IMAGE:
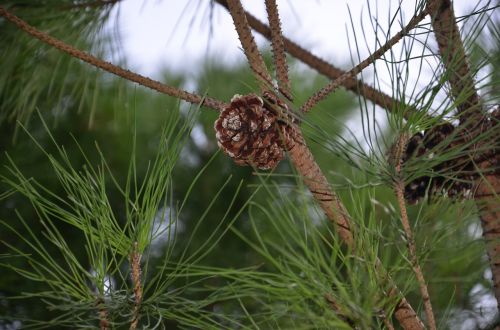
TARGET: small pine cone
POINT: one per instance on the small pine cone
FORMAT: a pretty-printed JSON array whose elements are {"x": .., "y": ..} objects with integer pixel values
[{"x": 249, "y": 131}]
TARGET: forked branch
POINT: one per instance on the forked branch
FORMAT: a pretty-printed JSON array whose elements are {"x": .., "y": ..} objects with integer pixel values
[
  {"x": 325, "y": 68},
  {"x": 111, "y": 68}
]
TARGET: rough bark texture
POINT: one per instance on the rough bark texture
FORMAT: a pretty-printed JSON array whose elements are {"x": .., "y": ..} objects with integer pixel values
[
  {"x": 317, "y": 183},
  {"x": 454, "y": 59},
  {"x": 489, "y": 204},
  {"x": 249, "y": 46},
  {"x": 469, "y": 109},
  {"x": 278, "y": 49},
  {"x": 334, "y": 209}
]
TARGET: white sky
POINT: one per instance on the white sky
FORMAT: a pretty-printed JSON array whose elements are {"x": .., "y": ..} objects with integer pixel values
[
  {"x": 175, "y": 34},
  {"x": 157, "y": 34}
]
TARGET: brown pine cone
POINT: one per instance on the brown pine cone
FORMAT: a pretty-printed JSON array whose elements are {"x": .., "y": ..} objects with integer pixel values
[
  {"x": 250, "y": 132},
  {"x": 455, "y": 177}
]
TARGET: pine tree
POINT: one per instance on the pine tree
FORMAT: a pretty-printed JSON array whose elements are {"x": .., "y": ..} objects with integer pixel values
[{"x": 131, "y": 223}]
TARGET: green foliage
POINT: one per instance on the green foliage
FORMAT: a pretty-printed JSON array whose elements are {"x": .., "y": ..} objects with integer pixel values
[{"x": 105, "y": 165}]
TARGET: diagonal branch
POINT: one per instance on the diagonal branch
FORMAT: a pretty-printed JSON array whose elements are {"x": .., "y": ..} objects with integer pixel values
[
  {"x": 109, "y": 67},
  {"x": 249, "y": 46},
  {"x": 453, "y": 55},
  {"x": 330, "y": 87},
  {"x": 325, "y": 68},
  {"x": 315, "y": 180},
  {"x": 278, "y": 49}
]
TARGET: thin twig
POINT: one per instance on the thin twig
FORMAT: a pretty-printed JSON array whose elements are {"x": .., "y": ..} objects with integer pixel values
[
  {"x": 327, "y": 69},
  {"x": 399, "y": 187},
  {"x": 136, "y": 274},
  {"x": 330, "y": 87},
  {"x": 278, "y": 49},
  {"x": 249, "y": 46},
  {"x": 114, "y": 69}
]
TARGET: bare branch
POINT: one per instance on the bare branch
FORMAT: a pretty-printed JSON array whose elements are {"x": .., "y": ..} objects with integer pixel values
[
  {"x": 455, "y": 61},
  {"x": 278, "y": 49},
  {"x": 330, "y": 87},
  {"x": 109, "y": 67},
  {"x": 249, "y": 46}
]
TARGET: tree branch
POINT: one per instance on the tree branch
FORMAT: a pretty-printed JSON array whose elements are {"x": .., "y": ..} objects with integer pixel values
[
  {"x": 330, "y": 87},
  {"x": 111, "y": 68},
  {"x": 135, "y": 274},
  {"x": 103, "y": 314},
  {"x": 249, "y": 46},
  {"x": 399, "y": 187},
  {"x": 455, "y": 61},
  {"x": 326, "y": 69},
  {"x": 315, "y": 180},
  {"x": 278, "y": 49},
  {"x": 469, "y": 108}
]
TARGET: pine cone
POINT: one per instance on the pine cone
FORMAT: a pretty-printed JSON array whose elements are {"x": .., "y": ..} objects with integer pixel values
[
  {"x": 250, "y": 131},
  {"x": 455, "y": 177}
]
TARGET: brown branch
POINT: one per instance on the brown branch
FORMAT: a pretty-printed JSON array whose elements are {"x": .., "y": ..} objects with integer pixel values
[
  {"x": 489, "y": 206},
  {"x": 109, "y": 67},
  {"x": 469, "y": 108},
  {"x": 278, "y": 49},
  {"x": 249, "y": 46},
  {"x": 103, "y": 314},
  {"x": 304, "y": 162},
  {"x": 330, "y": 87},
  {"x": 399, "y": 187},
  {"x": 455, "y": 61},
  {"x": 387, "y": 322},
  {"x": 338, "y": 310},
  {"x": 315, "y": 180},
  {"x": 326, "y": 69},
  {"x": 135, "y": 274}
]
